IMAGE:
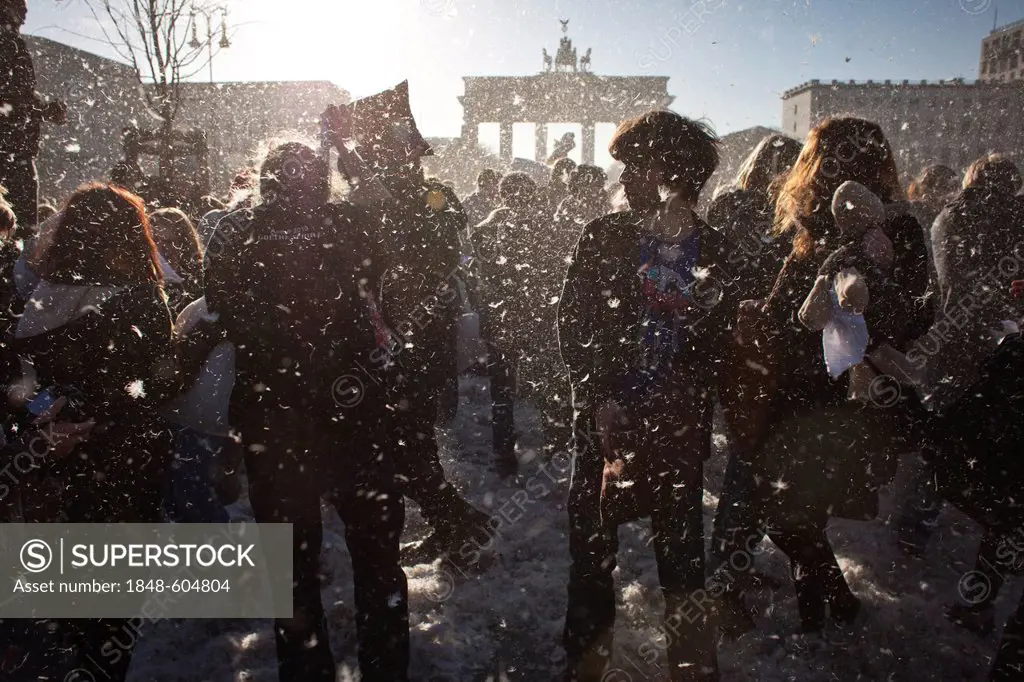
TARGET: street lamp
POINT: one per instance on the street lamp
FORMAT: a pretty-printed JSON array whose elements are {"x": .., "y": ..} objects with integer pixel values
[{"x": 197, "y": 44}]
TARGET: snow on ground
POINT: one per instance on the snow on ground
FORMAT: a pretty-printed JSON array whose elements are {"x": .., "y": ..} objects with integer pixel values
[{"x": 502, "y": 621}]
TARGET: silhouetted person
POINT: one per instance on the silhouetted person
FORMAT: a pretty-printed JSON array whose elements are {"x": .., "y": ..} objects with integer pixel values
[
  {"x": 293, "y": 293},
  {"x": 19, "y": 126},
  {"x": 644, "y": 313},
  {"x": 485, "y": 199}
]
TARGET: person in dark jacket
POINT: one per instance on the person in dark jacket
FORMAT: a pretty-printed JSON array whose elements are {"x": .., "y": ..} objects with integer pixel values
[
  {"x": 807, "y": 413},
  {"x": 745, "y": 216},
  {"x": 520, "y": 273},
  {"x": 419, "y": 229},
  {"x": 557, "y": 189},
  {"x": 646, "y": 307},
  {"x": 25, "y": 111},
  {"x": 96, "y": 332},
  {"x": 977, "y": 243},
  {"x": 485, "y": 199},
  {"x": 294, "y": 294}
]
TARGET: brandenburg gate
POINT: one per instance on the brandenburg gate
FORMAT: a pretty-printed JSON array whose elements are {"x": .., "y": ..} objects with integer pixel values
[{"x": 566, "y": 91}]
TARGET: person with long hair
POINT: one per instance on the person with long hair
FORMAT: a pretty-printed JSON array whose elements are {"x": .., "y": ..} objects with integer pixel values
[
  {"x": 745, "y": 213},
  {"x": 818, "y": 453},
  {"x": 745, "y": 216},
  {"x": 181, "y": 255},
  {"x": 96, "y": 332}
]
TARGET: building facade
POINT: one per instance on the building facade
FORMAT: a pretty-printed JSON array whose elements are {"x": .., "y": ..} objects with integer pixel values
[
  {"x": 950, "y": 122},
  {"x": 566, "y": 91},
  {"x": 1002, "y": 59},
  {"x": 103, "y": 96}
]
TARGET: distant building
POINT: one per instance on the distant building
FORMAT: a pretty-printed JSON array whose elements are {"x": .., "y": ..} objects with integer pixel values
[
  {"x": 103, "y": 98},
  {"x": 951, "y": 122},
  {"x": 1001, "y": 57}
]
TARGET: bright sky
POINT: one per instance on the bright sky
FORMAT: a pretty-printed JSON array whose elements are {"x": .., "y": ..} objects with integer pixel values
[{"x": 729, "y": 60}]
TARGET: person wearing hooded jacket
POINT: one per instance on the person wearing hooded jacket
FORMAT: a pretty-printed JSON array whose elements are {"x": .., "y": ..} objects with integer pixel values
[
  {"x": 96, "y": 333},
  {"x": 294, "y": 294}
]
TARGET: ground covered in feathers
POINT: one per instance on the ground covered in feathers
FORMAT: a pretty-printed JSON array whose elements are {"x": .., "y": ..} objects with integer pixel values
[{"x": 503, "y": 619}]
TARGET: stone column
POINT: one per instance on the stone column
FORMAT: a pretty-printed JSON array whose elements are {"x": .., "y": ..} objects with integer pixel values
[
  {"x": 505, "y": 141},
  {"x": 541, "y": 135},
  {"x": 587, "y": 147},
  {"x": 471, "y": 133}
]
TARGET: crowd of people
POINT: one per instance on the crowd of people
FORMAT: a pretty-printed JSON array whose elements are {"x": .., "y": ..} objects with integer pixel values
[{"x": 834, "y": 321}]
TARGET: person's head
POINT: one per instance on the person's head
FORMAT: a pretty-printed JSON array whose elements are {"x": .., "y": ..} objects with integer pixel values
[
  {"x": 293, "y": 176},
  {"x": 12, "y": 13},
  {"x": 838, "y": 149},
  {"x": 44, "y": 212},
  {"x": 488, "y": 181},
  {"x": 103, "y": 237},
  {"x": 934, "y": 182},
  {"x": 587, "y": 182},
  {"x": 773, "y": 156},
  {"x": 176, "y": 239},
  {"x": 561, "y": 172},
  {"x": 663, "y": 151},
  {"x": 518, "y": 191},
  {"x": 995, "y": 174},
  {"x": 243, "y": 189}
]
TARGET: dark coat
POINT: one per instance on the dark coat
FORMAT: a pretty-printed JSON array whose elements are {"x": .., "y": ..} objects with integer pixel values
[
  {"x": 600, "y": 312},
  {"x": 422, "y": 242},
  {"x": 823, "y": 454},
  {"x": 520, "y": 260},
  {"x": 746, "y": 219},
  {"x": 287, "y": 288},
  {"x": 897, "y": 318},
  {"x": 977, "y": 242},
  {"x": 117, "y": 361}
]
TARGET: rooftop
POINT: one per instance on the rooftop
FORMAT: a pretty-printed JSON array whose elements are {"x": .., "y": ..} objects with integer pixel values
[
  {"x": 1016, "y": 24},
  {"x": 954, "y": 82}
]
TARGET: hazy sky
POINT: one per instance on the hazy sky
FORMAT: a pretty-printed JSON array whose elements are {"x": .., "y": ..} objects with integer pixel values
[{"x": 728, "y": 60}]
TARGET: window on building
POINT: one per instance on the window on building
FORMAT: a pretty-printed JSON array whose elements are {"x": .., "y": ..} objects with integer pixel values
[{"x": 796, "y": 108}]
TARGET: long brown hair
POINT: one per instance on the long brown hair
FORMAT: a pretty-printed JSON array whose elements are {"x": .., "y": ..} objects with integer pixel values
[
  {"x": 838, "y": 149},
  {"x": 99, "y": 226}
]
